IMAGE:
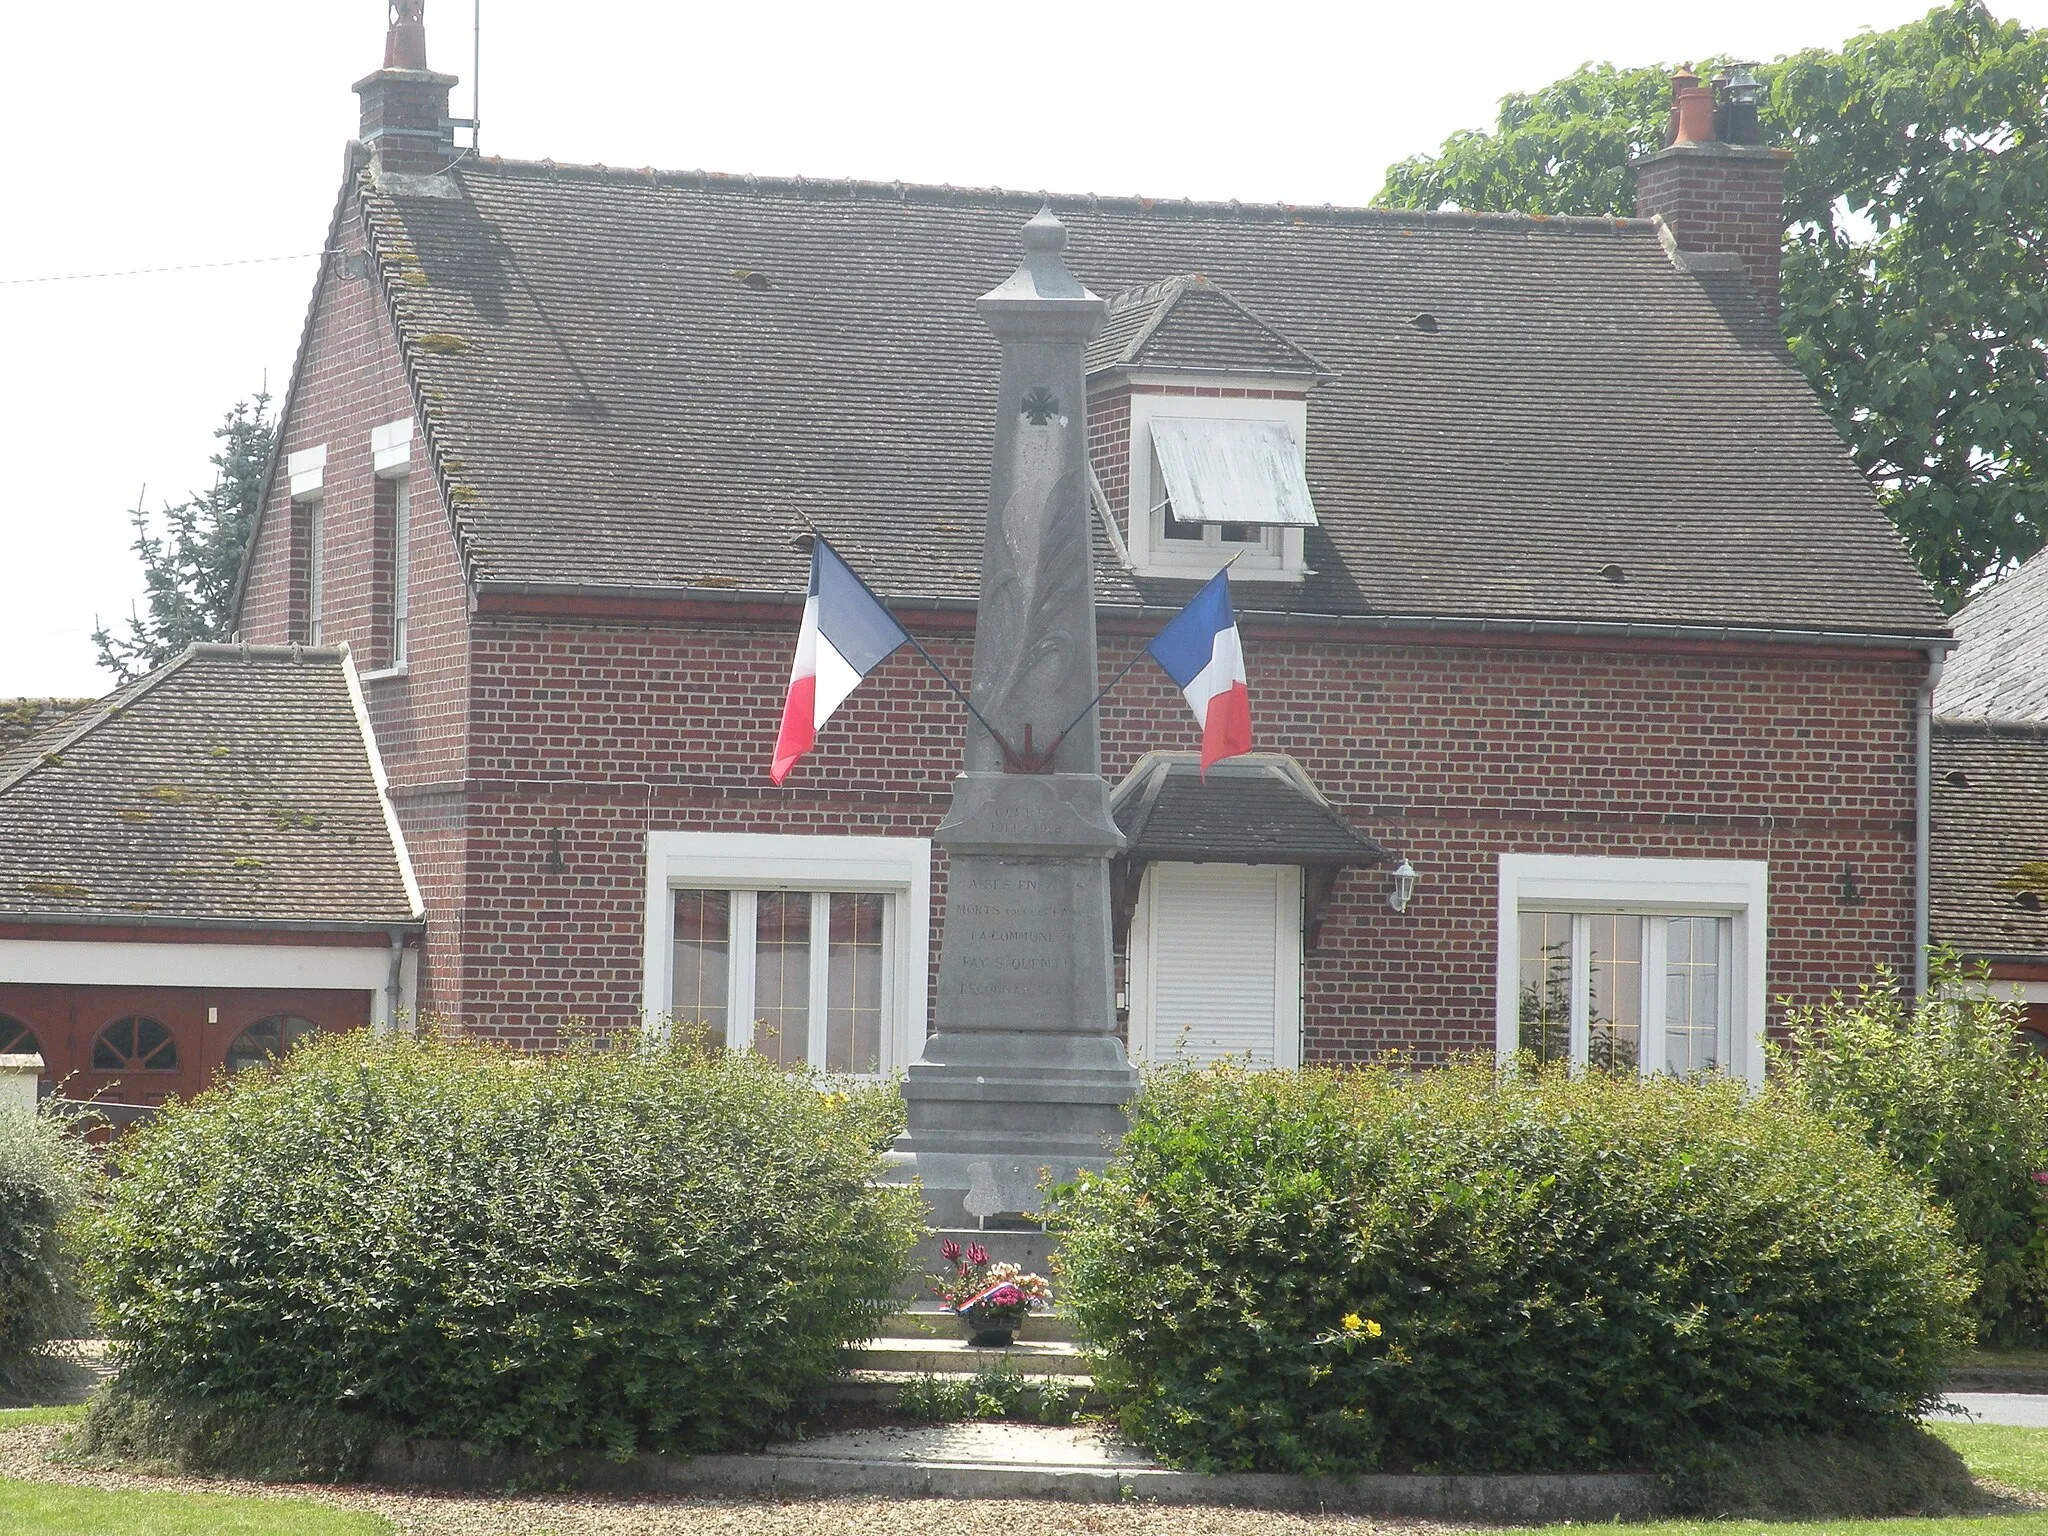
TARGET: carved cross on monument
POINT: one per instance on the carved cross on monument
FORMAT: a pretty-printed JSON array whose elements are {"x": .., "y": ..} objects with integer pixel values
[{"x": 1024, "y": 1074}]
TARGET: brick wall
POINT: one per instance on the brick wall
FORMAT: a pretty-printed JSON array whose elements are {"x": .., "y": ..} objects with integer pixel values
[
  {"x": 1721, "y": 197},
  {"x": 350, "y": 379},
  {"x": 529, "y": 759},
  {"x": 584, "y": 739},
  {"x": 1109, "y": 447}
]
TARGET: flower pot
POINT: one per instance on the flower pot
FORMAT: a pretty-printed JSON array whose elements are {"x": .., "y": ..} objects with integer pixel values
[{"x": 991, "y": 1327}]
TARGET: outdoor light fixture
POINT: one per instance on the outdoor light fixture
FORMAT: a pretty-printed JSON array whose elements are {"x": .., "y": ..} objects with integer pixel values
[{"x": 1404, "y": 887}]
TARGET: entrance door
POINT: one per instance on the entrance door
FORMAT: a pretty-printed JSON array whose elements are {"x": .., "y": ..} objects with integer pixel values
[{"x": 1215, "y": 964}]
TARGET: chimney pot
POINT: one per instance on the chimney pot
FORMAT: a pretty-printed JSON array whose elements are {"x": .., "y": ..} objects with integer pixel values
[
  {"x": 1695, "y": 108},
  {"x": 405, "y": 37}
]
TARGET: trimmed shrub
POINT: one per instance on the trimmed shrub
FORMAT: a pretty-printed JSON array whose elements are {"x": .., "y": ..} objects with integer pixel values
[
  {"x": 615, "y": 1251},
  {"x": 46, "y": 1173},
  {"x": 1943, "y": 1091},
  {"x": 1346, "y": 1271}
]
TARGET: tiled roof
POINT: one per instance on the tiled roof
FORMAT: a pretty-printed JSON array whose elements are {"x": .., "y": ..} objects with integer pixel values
[
  {"x": 233, "y": 784},
  {"x": 1189, "y": 325},
  {"x": 26, "y": 723},
  {"x": 1999, "y": 669},
  {"x": 1990, "y": 816},
  {"x": 1261, "y": 808},
  {"x": 650, "y": 380}
]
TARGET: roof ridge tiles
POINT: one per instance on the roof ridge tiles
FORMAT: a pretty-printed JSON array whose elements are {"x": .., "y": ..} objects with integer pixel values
[{"x": 821, "y": 189}]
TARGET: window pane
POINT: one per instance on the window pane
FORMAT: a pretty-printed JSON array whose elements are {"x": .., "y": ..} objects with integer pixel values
[
  {"x": 1546, "y": 984},
  {"x": 1614, "y": 1003},
  {"x": 1692, "y": 994},
  {"x": 702, "y": 961},
  {"x": 782, "y": 976},
  {"x": 853, "y": 1006}
]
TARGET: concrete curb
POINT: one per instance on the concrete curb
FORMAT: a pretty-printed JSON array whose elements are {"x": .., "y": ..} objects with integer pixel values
[{"x": 1577, "y": 1497}]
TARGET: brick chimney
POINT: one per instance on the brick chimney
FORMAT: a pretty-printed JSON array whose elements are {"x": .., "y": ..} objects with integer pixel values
[
  {"x": 405, "y": 104},
  {"x": 1717, "y": 188}
]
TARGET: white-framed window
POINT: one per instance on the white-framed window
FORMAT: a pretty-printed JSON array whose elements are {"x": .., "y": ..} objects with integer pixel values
[
  {"x": 391, "y": 464},
  {"x": 401, "y": 569},
  {"x": 316, "y": 569},
  {"x": 306, "y": 471},
  {"x": 1229, "y": 455},
  {"x": 809, "y": 949},
  {"x": 1215, "y": 964},
  {"x": 1634, "y": 965}
]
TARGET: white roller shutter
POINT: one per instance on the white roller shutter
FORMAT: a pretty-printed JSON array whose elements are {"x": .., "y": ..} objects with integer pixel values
[{"x": 1216, "y": 963}]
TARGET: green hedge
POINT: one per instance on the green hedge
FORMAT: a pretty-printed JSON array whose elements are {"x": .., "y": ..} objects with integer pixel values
[
  {"x": 618, "y": 1251},
  {"x": 1942, "y": 1090},
  {"x": 46, "y": 1171},
  {"x": 1461, "y": 1270}
]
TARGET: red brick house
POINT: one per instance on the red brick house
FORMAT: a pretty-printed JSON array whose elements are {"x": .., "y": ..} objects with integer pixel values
[
  {"x": 1990, "y": 789},
  {"x": 1591, "y": 622}
]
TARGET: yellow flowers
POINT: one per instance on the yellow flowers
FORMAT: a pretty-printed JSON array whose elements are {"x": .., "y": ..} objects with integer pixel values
[{"x": 1353, "y": 1323}]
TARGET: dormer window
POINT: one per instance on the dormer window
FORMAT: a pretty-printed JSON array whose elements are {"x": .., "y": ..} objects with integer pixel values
[{"x": 1199, "y": 425}]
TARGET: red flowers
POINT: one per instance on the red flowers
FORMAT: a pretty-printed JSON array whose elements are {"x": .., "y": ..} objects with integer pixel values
[
  {"x": 950, "y": 1251},
  {"x": 976, "y": 1254}
]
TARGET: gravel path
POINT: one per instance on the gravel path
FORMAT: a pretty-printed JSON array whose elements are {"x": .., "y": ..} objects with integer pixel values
[{"x": 25, "y": 1453}]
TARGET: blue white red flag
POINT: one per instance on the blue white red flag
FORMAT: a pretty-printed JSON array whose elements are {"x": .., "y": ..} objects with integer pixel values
[
  {"x": 846, "y": 634},
  {"x": 1201, "y": 652}
]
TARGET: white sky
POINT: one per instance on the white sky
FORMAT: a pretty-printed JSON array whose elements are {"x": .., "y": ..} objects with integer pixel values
[{"x": 141, "y": 134}]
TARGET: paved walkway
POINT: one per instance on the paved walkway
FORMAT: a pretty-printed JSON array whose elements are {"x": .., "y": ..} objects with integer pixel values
[{"x": 2025, "y": 1408}]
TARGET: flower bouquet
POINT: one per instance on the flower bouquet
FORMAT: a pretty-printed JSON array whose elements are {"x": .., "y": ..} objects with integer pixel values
[{"x": 991, "y": 1300}]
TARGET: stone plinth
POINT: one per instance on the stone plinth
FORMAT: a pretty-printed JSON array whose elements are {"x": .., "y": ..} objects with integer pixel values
[{"x": 18, "y": 1078}]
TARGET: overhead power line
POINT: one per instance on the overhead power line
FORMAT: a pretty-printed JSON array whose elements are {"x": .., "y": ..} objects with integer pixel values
[{"x": 190, "y": 266}]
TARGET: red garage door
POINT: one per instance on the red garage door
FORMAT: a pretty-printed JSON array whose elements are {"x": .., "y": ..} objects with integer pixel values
[{"x": 139, "y": 1045}]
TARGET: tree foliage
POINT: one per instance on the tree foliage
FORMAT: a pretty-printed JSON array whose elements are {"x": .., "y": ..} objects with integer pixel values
[
  {"x": 1916, "y": 259},
  {"x": 1941, "y": 1091},
  {"x": 190, "y": 567}
]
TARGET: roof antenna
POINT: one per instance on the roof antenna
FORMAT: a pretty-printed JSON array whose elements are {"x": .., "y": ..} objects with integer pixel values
[{"x": 476, "y": 69}]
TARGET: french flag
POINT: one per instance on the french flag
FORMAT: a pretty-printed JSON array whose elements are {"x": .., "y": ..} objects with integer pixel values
[
  {"x": 1201, "y": 652},
  {"x": 846, "y": 634}
]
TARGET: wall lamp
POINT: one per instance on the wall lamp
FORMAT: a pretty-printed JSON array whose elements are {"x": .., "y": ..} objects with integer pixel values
[{"x": 1404, "y": 887}]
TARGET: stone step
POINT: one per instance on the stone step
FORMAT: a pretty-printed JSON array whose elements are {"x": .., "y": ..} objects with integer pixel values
[
  {"x": 934, "y": 1322},
  {"x": 956, "y": 1357},
  {"x": 885, "y": 1388}
]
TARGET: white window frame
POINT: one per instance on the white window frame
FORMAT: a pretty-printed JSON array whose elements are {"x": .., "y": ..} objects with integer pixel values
[
  {"x": 1275, "y": 558},
  {"x": 307, "y": 470},
  {"x": 1288, "y": 970},
  {"x": 746, "y": 863},
  {"x": 1736, "y": 889},
  {"x": 316, "y": 566},
  {"x": 391, "y": 459}
]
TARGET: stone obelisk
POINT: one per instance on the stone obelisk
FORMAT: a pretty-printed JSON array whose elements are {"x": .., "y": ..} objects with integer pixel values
[{"x": 1024, "y": 1074}]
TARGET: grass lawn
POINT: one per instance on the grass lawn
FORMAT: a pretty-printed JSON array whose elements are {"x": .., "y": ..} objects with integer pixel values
[
  {"x": 2005, "y": 1453},
  {"x": 50, "y": 1509}
]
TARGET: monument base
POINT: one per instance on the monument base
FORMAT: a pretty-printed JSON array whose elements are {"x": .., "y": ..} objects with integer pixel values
[{"x": 994, "y": 1117}]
